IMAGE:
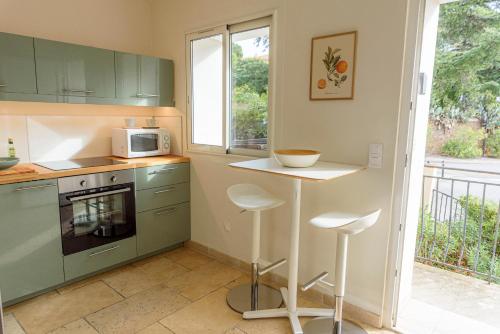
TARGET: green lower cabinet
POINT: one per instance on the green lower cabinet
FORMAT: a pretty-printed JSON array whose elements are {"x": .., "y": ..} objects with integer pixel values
[
  {"x": 31, "y": 257},
  {"x": 155, "y": 198},
  {"x": 98, "y": 258},
  {"x": 161, "y": 175},
  {"x": 161, "y": 228}
]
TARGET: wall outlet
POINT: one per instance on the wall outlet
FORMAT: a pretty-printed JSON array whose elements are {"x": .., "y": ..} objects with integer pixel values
[{"x": 375, "y": 155}]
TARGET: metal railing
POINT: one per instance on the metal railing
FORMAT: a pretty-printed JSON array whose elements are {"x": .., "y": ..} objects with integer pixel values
[{"x": 459, "y": 221}]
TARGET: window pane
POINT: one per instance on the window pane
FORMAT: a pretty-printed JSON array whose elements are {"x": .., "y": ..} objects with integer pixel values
[
  {"x": 249, "y": 88},
  {"x": 207, "y": 98}
]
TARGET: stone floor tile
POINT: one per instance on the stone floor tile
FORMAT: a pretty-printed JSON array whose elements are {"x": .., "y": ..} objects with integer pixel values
[
  {"x": 208, "y": 315},
  {"x": 11, "y": 326},
  {"x": 203, "y": 280},
  {"x": 187, "y": 258},
  {"x": 79, "y": 326},
  {"x": 155, "y": 328},
  {"x": 144, "y": 275},
  {"x": 89, "y": 280},
  {"x": 45, "y": 314},
  {"x": 138, "y": 312}
]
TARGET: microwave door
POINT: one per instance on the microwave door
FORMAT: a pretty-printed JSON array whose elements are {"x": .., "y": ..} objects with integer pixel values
[{"x": 144, "y": 144}]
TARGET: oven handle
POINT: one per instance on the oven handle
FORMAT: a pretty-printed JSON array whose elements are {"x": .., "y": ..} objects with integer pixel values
[
  {"x": 94, "y": 195},
  {"x": 104, "y": 251}
]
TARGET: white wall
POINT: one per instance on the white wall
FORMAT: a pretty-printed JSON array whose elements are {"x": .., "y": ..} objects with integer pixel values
[
  {"x": 47, "y": 131},
  {"x": 342, "y": 131},
  {"x": 112, "y": 24}
]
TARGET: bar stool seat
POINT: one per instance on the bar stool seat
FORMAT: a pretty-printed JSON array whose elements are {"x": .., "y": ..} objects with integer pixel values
[
  {"x": 345, "y": 224},
  {"x": 252, "y": 198},
  {"x": 254, "y": 296}
]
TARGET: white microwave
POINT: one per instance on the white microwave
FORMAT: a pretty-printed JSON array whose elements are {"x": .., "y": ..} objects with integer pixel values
[{"x": 136, "y": 143}]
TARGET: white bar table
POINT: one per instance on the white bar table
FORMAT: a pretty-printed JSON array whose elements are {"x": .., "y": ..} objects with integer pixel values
[{"x": 321, "y": 171}]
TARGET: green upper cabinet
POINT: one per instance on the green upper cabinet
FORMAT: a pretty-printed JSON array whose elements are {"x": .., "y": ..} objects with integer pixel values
[
  {"x": 144, "y": 80},
  {"x": 17, "y": 64},
  {"x": 74, "y": 70},
  {"x": 33, "y": 69},
  {"x": 31, "y": 257},
  {"x": 167, "y": 83}
]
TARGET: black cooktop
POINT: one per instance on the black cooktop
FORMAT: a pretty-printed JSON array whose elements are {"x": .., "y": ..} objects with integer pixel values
[{"x": 78, "y": 163}]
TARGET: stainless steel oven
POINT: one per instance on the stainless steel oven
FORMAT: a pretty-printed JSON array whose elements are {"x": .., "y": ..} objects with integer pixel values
[{"x": 96, "y": 209}]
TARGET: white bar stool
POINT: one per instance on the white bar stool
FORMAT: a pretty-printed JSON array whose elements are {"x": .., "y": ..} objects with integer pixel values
[
  {"x": 254, "y": 296},
  {"x": 345, "y": 224}
]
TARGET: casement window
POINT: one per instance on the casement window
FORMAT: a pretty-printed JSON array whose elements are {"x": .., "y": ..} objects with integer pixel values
[{"x": 229, "y": 88}]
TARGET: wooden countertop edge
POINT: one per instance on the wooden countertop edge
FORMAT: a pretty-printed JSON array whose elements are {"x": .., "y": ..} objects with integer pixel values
[{"x": 47, "y": 174}]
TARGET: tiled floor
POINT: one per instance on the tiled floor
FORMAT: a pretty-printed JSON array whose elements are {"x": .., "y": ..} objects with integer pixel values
[
  {"x": 446, "y": 302},
  {"x": 179, "y": 292}
]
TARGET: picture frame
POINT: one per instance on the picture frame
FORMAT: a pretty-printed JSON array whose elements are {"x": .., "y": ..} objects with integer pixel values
[{"x": 333, "y": 66}]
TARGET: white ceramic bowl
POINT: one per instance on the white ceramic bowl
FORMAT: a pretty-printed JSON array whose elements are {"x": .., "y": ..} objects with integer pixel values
[{"x": 297, "y": 158}]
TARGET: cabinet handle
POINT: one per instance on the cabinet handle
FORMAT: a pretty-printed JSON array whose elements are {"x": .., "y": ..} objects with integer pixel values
[
  {"x": 165, "y": 212},
  {"x": 79, "y": 91},
  {"x": 3, "y": 85},
  {"x": 35, "y": 187},
  {"x": 104, "y": 251},
  {"x": 164, "y": 191},
  {"x": 162, "y": 171},
  {"x": 147, "y": 95}
]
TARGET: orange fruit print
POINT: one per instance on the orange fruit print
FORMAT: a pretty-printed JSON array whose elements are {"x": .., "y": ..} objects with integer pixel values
[
  {"x": 321, "y": 83},
  {"x": 341, "y": 66}
]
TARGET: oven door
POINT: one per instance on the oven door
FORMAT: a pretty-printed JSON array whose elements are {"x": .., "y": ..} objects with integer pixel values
[
  {"x": 144, "y": 144},
  {"x": 96, "y": 217}
]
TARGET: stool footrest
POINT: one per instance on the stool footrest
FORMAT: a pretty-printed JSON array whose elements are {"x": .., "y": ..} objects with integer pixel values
[
  {"x": 318, "y": 279},
  {"x": 272, "y": 266}
]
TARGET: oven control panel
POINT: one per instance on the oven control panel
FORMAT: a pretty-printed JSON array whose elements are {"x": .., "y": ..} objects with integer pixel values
[{"x": 91, "y": 181}]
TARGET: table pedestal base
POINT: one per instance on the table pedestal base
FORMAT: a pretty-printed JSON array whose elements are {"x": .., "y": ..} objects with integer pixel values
[{"x": 292, "y": 315}]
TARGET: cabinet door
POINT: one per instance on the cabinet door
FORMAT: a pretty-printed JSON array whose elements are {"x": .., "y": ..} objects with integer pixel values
[
  {"x": 98, "y": 258},
  {"x": 144, "y": 80},
  {"x": 30, "y": 238},
  {"x": 74, "y": 70},
  {"x": 166, "y": 83},
  {"x": 158, "y": 229},
  {"x": 150, "y": 84},
  {"x": 127, "y": 75},
  {"x": 17, "y": 64},
  {"x": 137, "y": 79}
]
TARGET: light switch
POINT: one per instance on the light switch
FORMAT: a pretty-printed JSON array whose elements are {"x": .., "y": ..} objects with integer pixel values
[{"x": 375, "y": 154}]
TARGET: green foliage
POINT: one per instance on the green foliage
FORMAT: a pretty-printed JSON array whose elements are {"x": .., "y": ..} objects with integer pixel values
[
  {"x": 451, "y": 236},
  {"x": 467, "y": 66},
  {"x": 464, "y": 144},
  {"x": 493, "y": 144},
  {"x": 249, "y": 113},
  {"x": 251, "y": 72},
  {"x": 249, "y": 96}
]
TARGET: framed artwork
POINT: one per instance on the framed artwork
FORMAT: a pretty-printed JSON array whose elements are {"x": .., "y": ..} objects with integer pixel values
[{"x": 333, "y": 60}]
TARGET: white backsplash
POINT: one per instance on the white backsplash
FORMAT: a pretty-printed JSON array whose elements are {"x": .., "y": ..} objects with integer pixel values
[{"x": 45, "y": 138}]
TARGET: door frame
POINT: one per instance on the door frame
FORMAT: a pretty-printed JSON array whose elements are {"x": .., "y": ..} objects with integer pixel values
[{"x": 405, "y": 137}]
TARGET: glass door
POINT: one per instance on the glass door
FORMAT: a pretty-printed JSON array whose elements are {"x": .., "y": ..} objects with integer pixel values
[{"x": 97, "y": 216}]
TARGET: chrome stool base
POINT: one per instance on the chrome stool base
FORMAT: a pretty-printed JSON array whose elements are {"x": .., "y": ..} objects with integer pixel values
[
  {"x": 239, "y": 298},
  {"x": 325, "y": 326}
]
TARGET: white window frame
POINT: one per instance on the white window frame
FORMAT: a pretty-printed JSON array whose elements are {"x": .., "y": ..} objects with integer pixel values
[{"x": 225, "y": 31}]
